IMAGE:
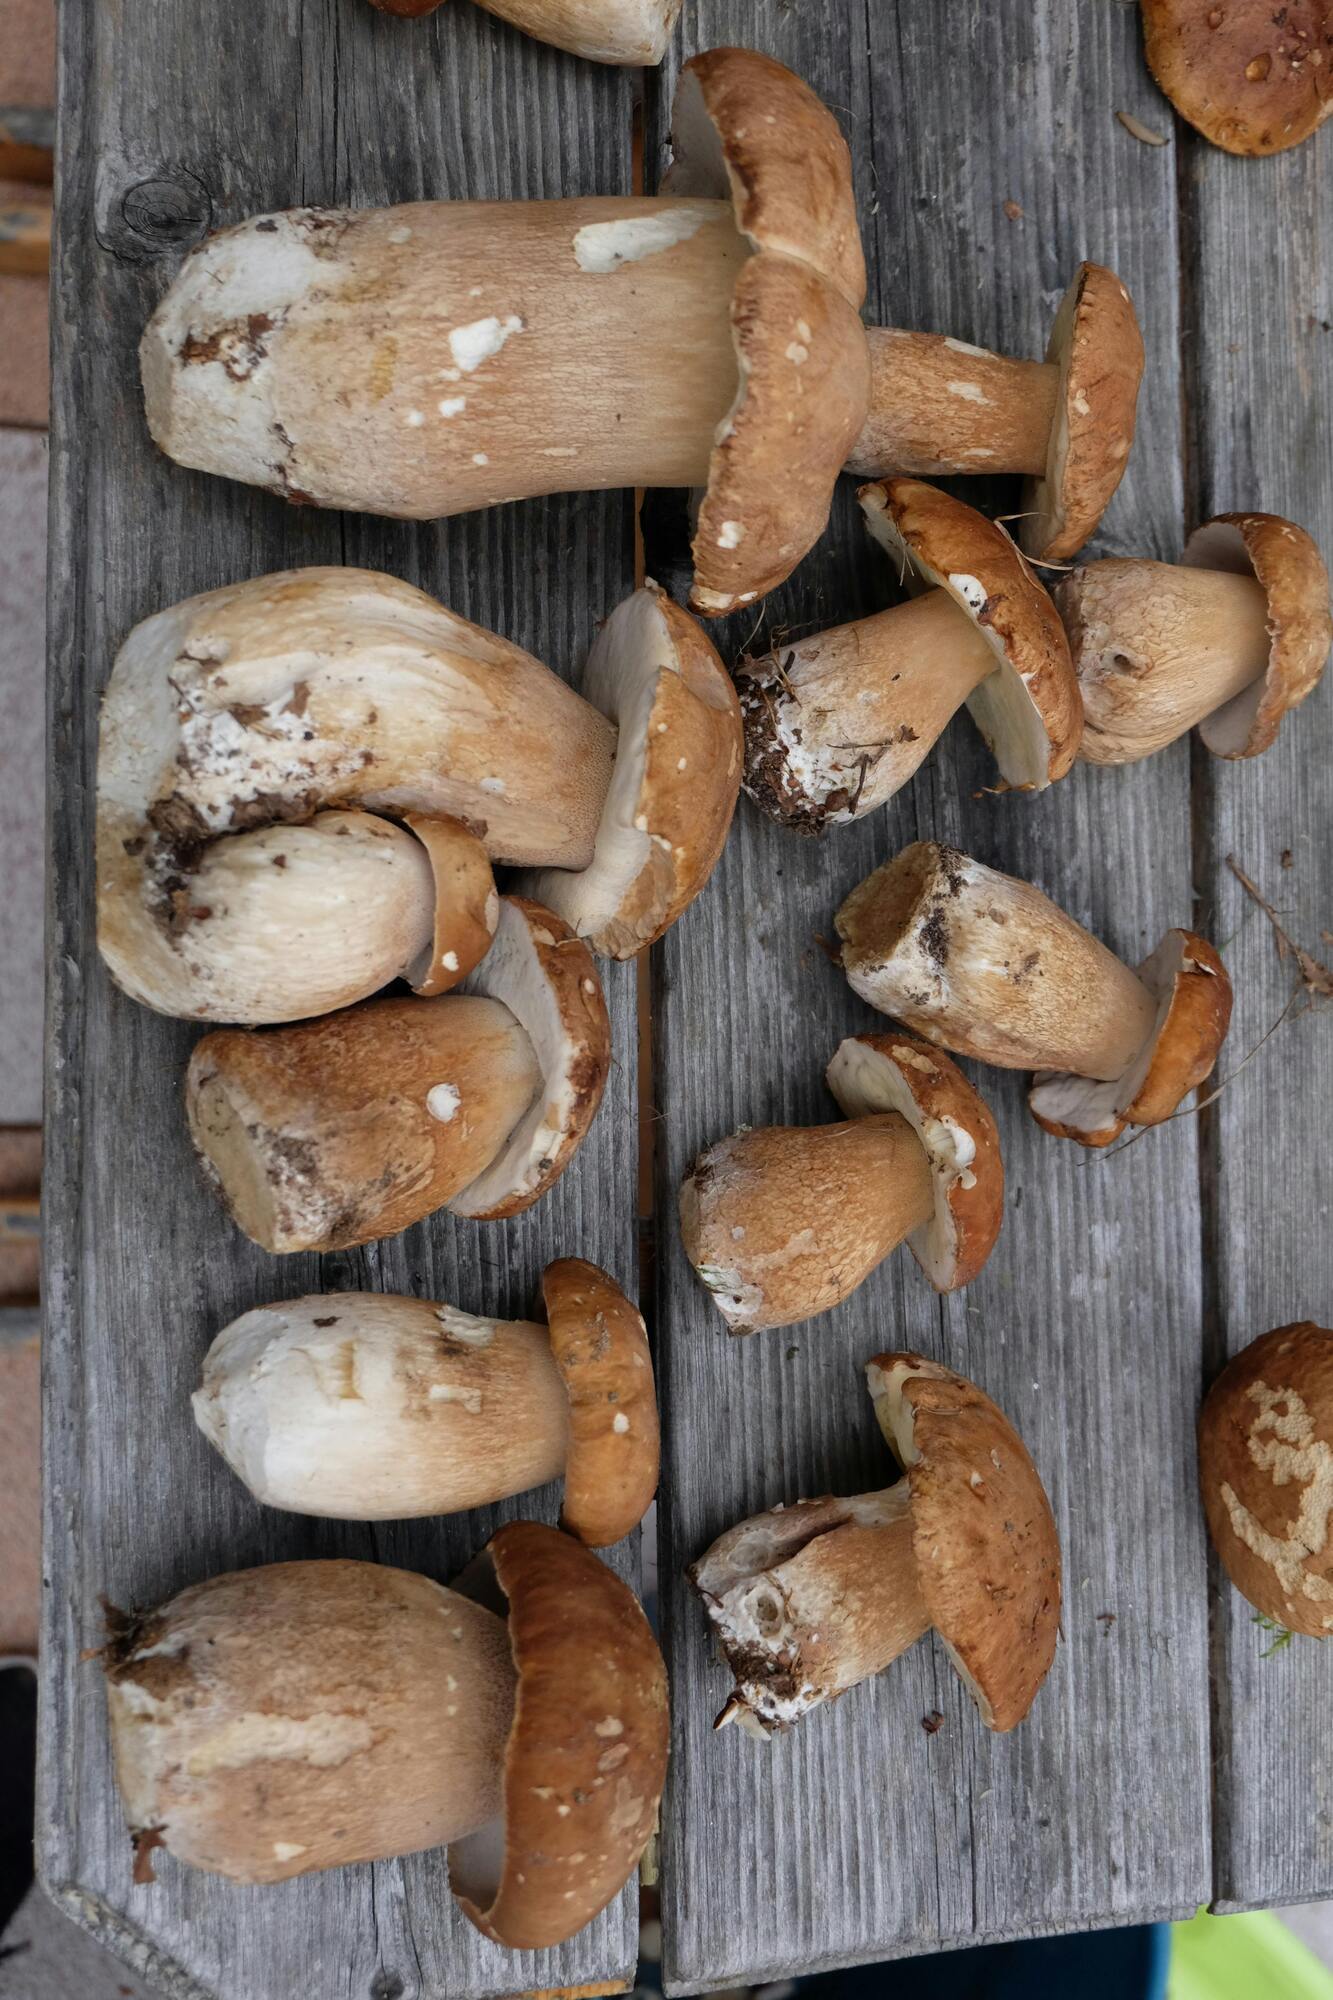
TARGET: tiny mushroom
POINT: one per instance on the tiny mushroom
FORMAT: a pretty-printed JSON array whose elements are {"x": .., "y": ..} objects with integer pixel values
[
  {"x": 368, "y": 1407},
  {"x": 303, "y": 781},
  {"x": 1252, "y": 77},
  {"x": 787, "y": 1221},
  {"x": 307, "y": 1715},
  {"x": 810, "y": 1599},
  {"x": 1266, "y": 1472},
  {"x": 837, "y": 723},
  {"x": 336, "y": 1131},
  {"x": 1229, "y": 639},
  {"x": 987, "y": 966},
  {"x": 609, "y": 31}
]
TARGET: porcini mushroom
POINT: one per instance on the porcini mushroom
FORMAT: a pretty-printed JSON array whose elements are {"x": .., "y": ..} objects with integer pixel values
[
  {"x": 369, "y": 1407},
  {"x": 307, "y": 1715},
  {"x": 987, "y": 966},
  {"x": 354, "y": 1126},
  {"x": 260, "y": 742},
  {"x": 837, "y": 723},
  {"x": 1251, "y": 77},
  {"x": 787, "y": 1221},
  {"x": 1229, "y": 639},
  {"x": 810, "y": 1599},
  {"x": 434, "y": 357},
  {"x": 1266, "y": 1473},
  {"x": 608, "y": 31}
]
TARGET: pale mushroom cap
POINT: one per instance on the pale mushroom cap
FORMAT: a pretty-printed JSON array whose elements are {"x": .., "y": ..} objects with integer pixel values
[
  {"x": 600, "y": 1348},
  {"x": 675, "y": 781},
  {"x": 1186, "y": 977},
  {"x": 875, "y": 1073},
  {"x": 546, "y": 979},
  {"x": 988, "y": 1556},
  {"x": 1266, "y": 1473},
  {"x": 306, "y": 1715},
  {"x": 1284, "y": 560},
  {"x": 587, "y": 1753},
  {"x": 1251, "y": 77},
  {"x": 1096, "y": 345},
  {"x": 1029, "y": 710}
]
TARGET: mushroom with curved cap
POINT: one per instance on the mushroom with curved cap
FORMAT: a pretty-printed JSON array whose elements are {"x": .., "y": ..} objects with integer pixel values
[
  {"x": 365, "y": 1406},
  {"x": 609, "y": 31},
  {"x": 987, "y": 966},
  {"x": 355, "y": 1126},
  {"x": 785, "y": 1222},
  {"x": 837, "y": 723},
  {"x": 1251, "y": 77},
  {"x": 1227, "y": 639},
  {"x": 809, "y": 1600},
  {"x": 307, "y": 1715},
  {"x": 260, "y": 744},
  {"x": 1266, "y": 1473}
]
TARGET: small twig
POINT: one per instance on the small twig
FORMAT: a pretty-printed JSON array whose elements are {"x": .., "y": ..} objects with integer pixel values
[
  {"x": 1028, "y": 562},
  {"x": 1267, "y": 1624},
  {"x": 1316, "y": 979}
]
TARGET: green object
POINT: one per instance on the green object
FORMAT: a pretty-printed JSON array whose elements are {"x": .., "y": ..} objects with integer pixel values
[{"x": 1250, "y": 1957}]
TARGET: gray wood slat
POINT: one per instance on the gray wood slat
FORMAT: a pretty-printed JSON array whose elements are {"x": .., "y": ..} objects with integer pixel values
[
  {"x": 858, "y": 1835},
  {"x": 175, "y": 120},
  {"x": 1260, "y": 271}
]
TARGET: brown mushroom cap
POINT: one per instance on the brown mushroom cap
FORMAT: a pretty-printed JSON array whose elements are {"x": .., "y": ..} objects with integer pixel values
[
  {"x": 745, "y": 128},
  {"x": 1285, "y": 562},
  {"x": 601, "y": 1349},
  {"x": 876, "y": 1073},
  {"x": 467, "y": 908},
  {"x": 1096, "y": 345},
  {"x": 988, "y": 1557},
  {"x": 1029, "y": 710},
  {"x": 1192, "y": 989},
  {"x": 1266, "y": 1472},
  {"x": 587, "y": 1752},
  {"x": 1251, "y": 77}
]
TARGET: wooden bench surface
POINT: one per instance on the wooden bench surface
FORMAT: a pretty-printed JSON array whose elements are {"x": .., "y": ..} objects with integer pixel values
[{"x": 1167, "y": 1763}]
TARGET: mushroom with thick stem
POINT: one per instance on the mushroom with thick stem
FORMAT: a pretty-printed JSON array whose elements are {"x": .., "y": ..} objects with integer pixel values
[
  {"x": 633, "y": 32},
  {"x": 837, "y": 723},
  {"x": 987, "y": 966},
  {"x": 1227, "y": 639},
  {"x": 354, "y": 1126},
  {"x": 785, "y": 1222},
  {"x": 434, "y": 357},
  {"x": 308, "y": 1715},
  {"x": 808, "y": 1600},
  {"x": 1266, "y": 1474},
  {"x": 367, "y": 1407},
  {"x": 303, "y": 781},
  {"x": 1251, "y": 77}
]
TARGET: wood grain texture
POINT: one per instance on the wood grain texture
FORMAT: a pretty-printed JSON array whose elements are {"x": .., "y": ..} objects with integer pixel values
[
  {"x": 1259, "y": 270},
  {"x": 860, "y": 1836},
  {"x": 176, "y": 121}
]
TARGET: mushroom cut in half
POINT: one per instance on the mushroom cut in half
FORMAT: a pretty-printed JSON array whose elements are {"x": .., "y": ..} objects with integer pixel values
[
  {"x": 810, "y": 1599},
  {"x": 632, "y": 32},
  {"x": 1227, "y": 639},
  {"x": 355, "y": 1126},
  {"x": 307, "y": 1715},
  {"x": 837, "y": 723},
  {"x": 987, "y": 966},
  {"x": 1266, "y": 1473},
  {"x": 369, "y": 1407},
  {"x": 786, "y": 1221},
  {"x": 1252, "y": 77}
]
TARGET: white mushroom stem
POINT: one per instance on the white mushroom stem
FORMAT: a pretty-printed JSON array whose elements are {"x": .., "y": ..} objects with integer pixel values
[
  {"x": 939, "y": 405},
  {"x": 785, "y": 1222},
  {"x": 1158, "y": 648},
  {"x": 838, "y": 723}
]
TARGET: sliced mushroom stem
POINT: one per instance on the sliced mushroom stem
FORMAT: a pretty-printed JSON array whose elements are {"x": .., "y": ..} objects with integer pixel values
[
  {"x": 1159, "y": 647},
  {"x": 940, "y": 406}
]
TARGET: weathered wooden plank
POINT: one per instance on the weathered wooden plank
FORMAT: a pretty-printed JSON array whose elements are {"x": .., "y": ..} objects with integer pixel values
[
  {"x": 860, "y": 1836},
  {"x": 174, "y": 122},
  {"x": 1260, "y": 300}
]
